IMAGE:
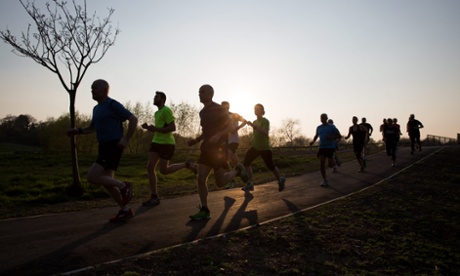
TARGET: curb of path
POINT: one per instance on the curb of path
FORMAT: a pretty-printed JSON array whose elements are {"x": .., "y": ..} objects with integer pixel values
[{"x": 146, "y": 254}]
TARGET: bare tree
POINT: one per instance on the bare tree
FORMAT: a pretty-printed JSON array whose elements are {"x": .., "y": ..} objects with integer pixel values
[
  {"x": 290, "y": 130},
  {"x": 187, "y": 119},
  {"x": 140, "y": 142},
  {"x": 65, "y": 41}
]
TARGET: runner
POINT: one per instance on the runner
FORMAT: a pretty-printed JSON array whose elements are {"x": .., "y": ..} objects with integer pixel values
[
  {"x": 336, "y": 156},
  {"x": 370, "y": 129},
  {"x": 233, "y": 139},
  {"x": 261, "y": 147},
  {"x": 162, "y": 147},
  {"x": 106, "y": 122},
  {"x": 360, "y": 136},
  {"x": 391, "y": 133},
  {"x": 413, "y": 129},
  {"x": 215, "y": 127},
  {"x": 382, "y": 127},
  {"x": 328, "y": 135}
]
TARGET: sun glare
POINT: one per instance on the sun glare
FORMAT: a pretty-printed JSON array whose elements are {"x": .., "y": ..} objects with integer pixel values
[{"x": 243, "y": 104}]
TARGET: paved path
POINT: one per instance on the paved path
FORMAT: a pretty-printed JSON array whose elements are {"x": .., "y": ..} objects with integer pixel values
[{"x": 59, "y": 243}]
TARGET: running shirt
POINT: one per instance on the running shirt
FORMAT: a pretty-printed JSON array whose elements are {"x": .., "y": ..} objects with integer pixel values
[
  {"x": 359, "y": 135},
  {"x": 261, "y": 141},
  {"x": 327, "y": 134},
  {"x": 107, "y": 120},
  {"x": 413, "y": 126},
  {"x": 213, "y": 119},
  {"x": 163, "y": 117},
  {"x": 391, "y": 134},
  {"x": 368, "y": 126}
]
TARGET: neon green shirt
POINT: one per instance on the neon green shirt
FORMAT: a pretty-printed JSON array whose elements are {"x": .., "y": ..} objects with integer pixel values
[
  {"x": 261, "y": 141},
  {"x": 164, "y": 117}
]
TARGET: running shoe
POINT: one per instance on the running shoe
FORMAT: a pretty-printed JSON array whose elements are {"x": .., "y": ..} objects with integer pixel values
[
  {"x": 153, "y": 201},
  {"x": 242, "y": 172},
  {"x": 325, "y": 183},
  {"x": 203, "y": 213},
  {"x": 191, "y": 166},
  {"x": 122, "y": 216},
  {"x": 281, "y": 183},
  {"x": 248, "y": 187},
  {"x": 230, "y": 185},
  {"x": 127, "y": 193}
]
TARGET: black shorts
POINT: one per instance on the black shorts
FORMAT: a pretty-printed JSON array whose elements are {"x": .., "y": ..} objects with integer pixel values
[
  {"x": 109, "y": 155},
  {"x": 358, "y": 148},
  {"x": 165, "y": 151},
  {"x": 253, "y": 153},
  {"x": 328, "y": 153},
  {"x": 215, "y": 158}
]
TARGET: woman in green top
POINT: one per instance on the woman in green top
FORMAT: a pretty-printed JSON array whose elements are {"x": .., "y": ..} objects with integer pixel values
[{"x": 261, "y": 147}]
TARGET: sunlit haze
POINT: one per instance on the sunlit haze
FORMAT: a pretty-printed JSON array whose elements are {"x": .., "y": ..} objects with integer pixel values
[{"x": 373, "y": 59}]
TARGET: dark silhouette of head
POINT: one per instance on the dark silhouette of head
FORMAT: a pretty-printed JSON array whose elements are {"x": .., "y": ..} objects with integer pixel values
[
  {"x": 259, "y": 108},
  {"x": 206, "y": 93},
  {"x": 159, "y": 99},
  {"x": 100, "y": 90},
  {"x": 323, "y": 118}
]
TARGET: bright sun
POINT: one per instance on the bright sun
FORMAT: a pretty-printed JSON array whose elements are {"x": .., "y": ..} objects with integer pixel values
[{"x": 243, "y": 104}]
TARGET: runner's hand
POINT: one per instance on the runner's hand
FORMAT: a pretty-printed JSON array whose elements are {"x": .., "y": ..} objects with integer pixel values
[{"x": 123, "y": 143}]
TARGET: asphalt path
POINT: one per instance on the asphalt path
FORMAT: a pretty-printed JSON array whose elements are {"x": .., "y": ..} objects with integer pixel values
[{"x": 68, "y": 242}]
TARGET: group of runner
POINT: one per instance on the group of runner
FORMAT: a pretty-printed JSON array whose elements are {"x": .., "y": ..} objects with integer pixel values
[
  {"x": 219, "y": 142},
  {"x": 218, "y": 138},
  {"x": 329, "y": 136}
]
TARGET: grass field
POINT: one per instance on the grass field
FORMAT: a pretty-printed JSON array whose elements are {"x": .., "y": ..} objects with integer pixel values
[
  {"x": 34, "y": 182},
  {"x": 408, "y": 225}
]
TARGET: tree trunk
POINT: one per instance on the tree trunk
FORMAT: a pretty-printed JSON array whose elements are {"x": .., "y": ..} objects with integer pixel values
[{"x": 76, "y": 189}]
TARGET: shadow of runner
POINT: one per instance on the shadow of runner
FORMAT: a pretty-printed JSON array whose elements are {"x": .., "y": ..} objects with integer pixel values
[
  {"x": 62, "y": 259},
  {"x": 215, "y": 229},
  {"x": 197, "y": 226},
  {"x": 241, "y": 213},
  {"x": 291, "y": 206}
]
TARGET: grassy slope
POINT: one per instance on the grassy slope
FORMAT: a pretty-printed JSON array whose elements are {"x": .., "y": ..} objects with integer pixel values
[{"x": 408, "y": 225}]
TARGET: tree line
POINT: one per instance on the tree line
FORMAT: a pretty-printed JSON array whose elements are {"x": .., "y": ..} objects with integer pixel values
[{"x": 49, "y": 135}]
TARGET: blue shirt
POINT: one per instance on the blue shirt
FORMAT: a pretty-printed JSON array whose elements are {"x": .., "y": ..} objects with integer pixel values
[
  {"x": 328, "y": 136},
  {"x": 108, "y": 118}
]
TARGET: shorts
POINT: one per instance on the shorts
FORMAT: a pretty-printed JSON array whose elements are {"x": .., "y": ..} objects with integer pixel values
[
  {"x": 109, "y": 155},
  {"x": 232, "y": 147},
  {"x": 253, "y": 153},
  {"x": 326, "y": 152},
  {"x": 358, "y": 148},
  {"x": 215, "y": 158},
  {"x": 165, "y": 151}
]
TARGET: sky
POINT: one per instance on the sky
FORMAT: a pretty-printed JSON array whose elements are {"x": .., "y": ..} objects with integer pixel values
[{"x": 299, "y": 58}]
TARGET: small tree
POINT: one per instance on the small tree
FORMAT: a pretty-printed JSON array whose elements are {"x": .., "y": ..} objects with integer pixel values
[
  {"x": 187, "y": 119},
  {"x": 69, "y": 41},
  {"x": 290, "y": 131}
]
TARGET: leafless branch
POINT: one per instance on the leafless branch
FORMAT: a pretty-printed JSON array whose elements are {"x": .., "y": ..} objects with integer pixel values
[{"x": 64, "y": 37}]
